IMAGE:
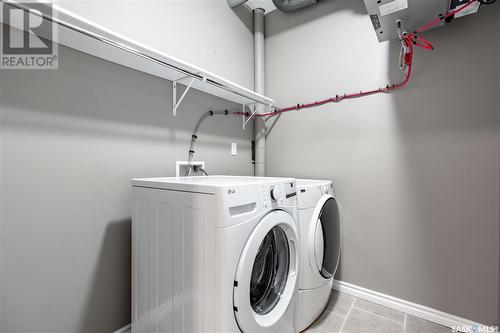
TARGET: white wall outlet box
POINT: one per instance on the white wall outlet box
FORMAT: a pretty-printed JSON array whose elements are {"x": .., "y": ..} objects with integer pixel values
[
  {"x": 234, "y": 149},
  {"x": 181, "y": 167}
]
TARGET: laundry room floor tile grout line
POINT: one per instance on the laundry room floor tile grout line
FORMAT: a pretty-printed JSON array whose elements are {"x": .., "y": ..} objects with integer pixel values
[
  {"x": 378, "y": 315},
  {"x": 347, "y": 315}
]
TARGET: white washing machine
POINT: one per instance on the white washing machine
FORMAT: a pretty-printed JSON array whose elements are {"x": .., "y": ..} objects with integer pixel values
[
  {"x": 214, "y": 254},
  {"x": 320, "y": 244}
]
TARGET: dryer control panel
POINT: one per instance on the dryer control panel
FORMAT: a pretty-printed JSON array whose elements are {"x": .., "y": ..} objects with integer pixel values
[
  {"x": 310, "y": 191},
  {"x": 326, "y": 189}
]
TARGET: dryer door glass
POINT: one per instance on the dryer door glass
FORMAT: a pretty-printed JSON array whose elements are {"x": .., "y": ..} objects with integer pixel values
[
  {"x": 270, "y": 271},
  {"x": 327, "y": 239}
]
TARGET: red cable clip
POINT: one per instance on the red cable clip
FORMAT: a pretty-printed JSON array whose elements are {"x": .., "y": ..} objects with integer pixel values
[{"x": 422, "y": 43}]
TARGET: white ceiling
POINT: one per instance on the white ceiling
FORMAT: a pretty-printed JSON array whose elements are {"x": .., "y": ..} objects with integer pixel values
[{"x": 267, "y": 5}]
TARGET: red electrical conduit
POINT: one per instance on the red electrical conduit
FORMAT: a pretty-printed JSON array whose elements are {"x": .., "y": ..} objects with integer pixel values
[{"x": 409, "y": 40}]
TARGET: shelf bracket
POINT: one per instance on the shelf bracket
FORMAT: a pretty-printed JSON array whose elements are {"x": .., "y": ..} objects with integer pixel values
[
  {"x": 243, "y": 122},
  {"x": 252, "y": 114},
  {"x": 175, "y": 103}
]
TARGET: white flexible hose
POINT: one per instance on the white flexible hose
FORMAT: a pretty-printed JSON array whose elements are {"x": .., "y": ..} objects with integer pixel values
[{"x": 194, "y": 137}]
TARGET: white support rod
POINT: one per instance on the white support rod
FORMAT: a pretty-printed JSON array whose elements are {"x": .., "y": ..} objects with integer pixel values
[
  {"x": 174, "y": 98},
  {"x": 243, "y": 122},
  {"x": 251, "y": 115},
  {"x": 259, "y": 82},
  {"x": 176, "y": 105}
]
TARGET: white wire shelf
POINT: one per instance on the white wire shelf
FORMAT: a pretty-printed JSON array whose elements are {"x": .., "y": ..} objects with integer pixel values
[{"x": 86, "y": 36}]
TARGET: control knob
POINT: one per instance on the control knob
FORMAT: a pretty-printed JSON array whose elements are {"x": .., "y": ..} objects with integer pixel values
[
  {"x": 326, "y": 190},
  {"x": 276, "y": 194}
]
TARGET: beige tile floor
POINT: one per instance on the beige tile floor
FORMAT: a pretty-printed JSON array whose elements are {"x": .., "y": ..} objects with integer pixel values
[{"x": 348, "y": 314}]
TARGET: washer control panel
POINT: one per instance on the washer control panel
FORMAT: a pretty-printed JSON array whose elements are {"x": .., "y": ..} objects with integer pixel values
[{"x": 279, "y": 194}]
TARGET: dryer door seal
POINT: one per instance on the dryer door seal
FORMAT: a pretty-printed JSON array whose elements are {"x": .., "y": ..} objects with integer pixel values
[{"x": 325, "y": 237}]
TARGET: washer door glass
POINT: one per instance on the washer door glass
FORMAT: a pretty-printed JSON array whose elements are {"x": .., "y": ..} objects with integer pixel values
[
  {"x": 327, "y": 239},
  {"x": 270, "y": 271}
]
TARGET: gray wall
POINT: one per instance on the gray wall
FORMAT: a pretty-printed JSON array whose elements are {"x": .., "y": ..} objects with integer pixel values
[
  {"x": 71, "y": 140},
  {"x": 206, "y": 33},
  {"x": 416, "y": 171}
]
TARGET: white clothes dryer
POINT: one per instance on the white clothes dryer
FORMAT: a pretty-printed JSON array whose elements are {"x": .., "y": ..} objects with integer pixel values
[
  {"x": 214, "y": 254},
  {"x": 320, "y": 245}
]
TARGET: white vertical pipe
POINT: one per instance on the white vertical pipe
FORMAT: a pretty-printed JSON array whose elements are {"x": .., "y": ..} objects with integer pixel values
[{"x": 259, "y": 83}]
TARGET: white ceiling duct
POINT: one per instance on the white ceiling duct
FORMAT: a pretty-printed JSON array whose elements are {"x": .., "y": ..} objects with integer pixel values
[
  {"x": 270, "y": 5},
  {"x": 235, "y": 3},
  {"x": 293, "y": 5},
  {"x": 267, "y": 5}
]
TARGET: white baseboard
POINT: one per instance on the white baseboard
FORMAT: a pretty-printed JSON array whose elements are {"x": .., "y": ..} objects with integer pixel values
[
  {"x": 413, "y": 309},
  {"x": 126, "y": 329}
]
